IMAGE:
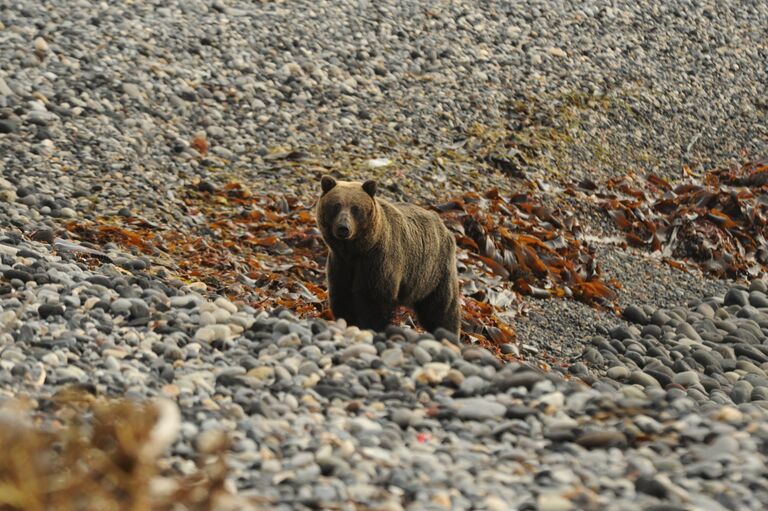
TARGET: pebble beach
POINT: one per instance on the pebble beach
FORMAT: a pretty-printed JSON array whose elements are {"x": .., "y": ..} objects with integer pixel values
[{"x": 112, "y": 112}]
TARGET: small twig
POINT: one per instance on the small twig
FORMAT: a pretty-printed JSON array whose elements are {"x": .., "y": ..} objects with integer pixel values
[{"x": 691, "y": 144}]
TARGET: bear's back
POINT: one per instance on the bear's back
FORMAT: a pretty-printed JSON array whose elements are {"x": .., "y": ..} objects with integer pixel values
[
  {"x": 416, "y": 220},
  {"x": 423, "y": 245}
]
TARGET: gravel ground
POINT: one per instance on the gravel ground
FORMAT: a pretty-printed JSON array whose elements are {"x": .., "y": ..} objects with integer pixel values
[
  {"x": 103, "y": 112},
  {"x": 668, "y": 412}
]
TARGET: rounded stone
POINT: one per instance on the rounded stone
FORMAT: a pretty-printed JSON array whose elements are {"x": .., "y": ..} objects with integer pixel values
[
  {"x": 635, "y": 314},
  {"x": 686, "y": 378},
  {"x": 618, "y": 373},
  {"x": 736, "y": 296},
  {"x": 643, "y": 379},
  {"x": 47, "y": 310}
]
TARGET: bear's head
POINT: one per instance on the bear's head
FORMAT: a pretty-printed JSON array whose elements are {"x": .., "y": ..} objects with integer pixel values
[{"x": 346, "y": 211}]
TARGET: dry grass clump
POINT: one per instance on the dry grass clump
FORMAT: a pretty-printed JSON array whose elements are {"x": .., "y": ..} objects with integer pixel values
[{"x": 90, "y": 453}]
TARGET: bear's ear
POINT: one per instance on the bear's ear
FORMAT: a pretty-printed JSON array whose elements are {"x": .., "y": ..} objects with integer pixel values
[
  {"x": 327, "y": 183},
  {"x": 370, "y": 187}
]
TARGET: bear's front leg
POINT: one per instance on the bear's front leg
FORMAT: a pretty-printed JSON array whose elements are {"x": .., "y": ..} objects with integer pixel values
[
  {"x": 341, "y": 296},
  {"x": 375, "y": 314},
  {"x": 376, "y": 302}
]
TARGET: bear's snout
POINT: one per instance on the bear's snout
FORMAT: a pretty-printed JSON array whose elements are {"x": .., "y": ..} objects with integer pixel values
[
  {"x": 343, "y": 232},
  {"x": 342, "y": 228}
]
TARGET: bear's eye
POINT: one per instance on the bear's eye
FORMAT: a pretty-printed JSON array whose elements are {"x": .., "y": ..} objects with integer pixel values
[
  {"x": 355, "y": 210},
  {"x": 336, "y": 208}
]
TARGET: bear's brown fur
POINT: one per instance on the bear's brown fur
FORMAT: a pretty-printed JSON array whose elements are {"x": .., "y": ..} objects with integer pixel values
[{"x": 383, "y": 255}]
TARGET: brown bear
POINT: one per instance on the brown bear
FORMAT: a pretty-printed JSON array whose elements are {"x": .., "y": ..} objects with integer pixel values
[{"x": 385, "y": 254}]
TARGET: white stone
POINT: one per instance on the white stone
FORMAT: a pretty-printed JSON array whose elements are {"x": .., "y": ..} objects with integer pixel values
[{"x": 212, "y": 333}]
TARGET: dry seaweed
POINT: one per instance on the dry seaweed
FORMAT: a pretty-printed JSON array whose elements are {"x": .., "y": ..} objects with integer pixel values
[
  {"x": 718, "y": 223},
  {"x": 267, "y": 251},
  {"x": 535, "y": 247}
]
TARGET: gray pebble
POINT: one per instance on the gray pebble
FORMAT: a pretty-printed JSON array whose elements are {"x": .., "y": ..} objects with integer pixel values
[
  {"x": 635, "y": 314},
  {"x": 478, "y": 409},
  {"x": 736, "y": 296},
  {"x": 643, "y": 379},
  {"x": 686, "y": 378},
  {"x": 741, "y": 392}
]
